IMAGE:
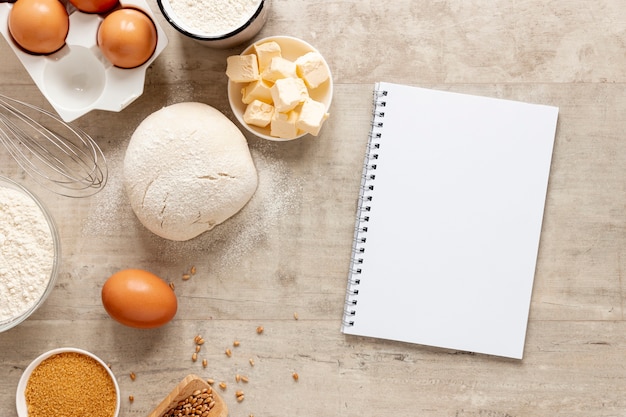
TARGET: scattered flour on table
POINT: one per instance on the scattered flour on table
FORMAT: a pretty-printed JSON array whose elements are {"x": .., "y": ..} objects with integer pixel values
[
  {"x": 214, "y": 17},
  {"x": 113, "y": 213},
  {"x": 26, "y": 253},
  {"x": 278, "y": 193}
]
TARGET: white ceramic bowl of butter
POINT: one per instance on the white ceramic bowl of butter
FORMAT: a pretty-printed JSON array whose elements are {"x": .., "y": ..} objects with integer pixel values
[{"x": 291, "y": 49}]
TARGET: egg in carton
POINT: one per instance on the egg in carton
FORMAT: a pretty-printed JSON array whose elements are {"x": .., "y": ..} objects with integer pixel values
[{"x": 78, "y": 77}]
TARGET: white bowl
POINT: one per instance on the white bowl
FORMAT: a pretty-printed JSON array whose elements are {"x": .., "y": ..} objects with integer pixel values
[
  {"x": 291, "y": 49},
  {"x": 14, "y": 321},
  {"x": 250, "y": 25},
  {"x": 20, "y": 399},
  {"x": 78, "y": 78}
]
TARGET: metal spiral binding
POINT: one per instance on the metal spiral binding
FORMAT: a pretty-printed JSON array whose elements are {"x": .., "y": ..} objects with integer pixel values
[{"x": 364, "y": 207}]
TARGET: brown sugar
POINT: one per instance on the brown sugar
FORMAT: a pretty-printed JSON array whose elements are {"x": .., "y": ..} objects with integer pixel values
[{"x": 70, "y": 384}]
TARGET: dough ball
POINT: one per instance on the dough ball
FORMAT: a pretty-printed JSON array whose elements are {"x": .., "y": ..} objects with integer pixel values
[{"x": 187, "y": 168}]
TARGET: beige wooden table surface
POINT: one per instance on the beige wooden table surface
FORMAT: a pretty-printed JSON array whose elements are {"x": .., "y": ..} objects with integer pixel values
[{"x": 288, "y": 251}]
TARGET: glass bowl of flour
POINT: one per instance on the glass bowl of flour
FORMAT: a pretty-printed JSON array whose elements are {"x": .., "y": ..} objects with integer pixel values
[
  {"x": 216, "y": 23},
  {"x": 30, "y": 252}
]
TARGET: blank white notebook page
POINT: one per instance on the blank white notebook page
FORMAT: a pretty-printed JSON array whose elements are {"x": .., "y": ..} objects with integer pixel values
[{"x": 454, "y": 222}]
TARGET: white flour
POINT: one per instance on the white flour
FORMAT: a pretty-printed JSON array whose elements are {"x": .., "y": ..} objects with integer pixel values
[
  {"x": 26, "y": 253},
  {"x": 214, "y": 17}
]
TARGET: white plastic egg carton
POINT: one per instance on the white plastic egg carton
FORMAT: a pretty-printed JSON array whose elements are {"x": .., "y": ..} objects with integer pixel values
[{"x": 78, "y": 78}]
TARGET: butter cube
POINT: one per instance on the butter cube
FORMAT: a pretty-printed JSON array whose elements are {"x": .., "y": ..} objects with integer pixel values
[
  {"x": 265, "y": 52},
  {"x": 311, "y": 117},
  {"x": 242, "y": 68},
  {"x": 257, "y": 90},
  {"x": 287, "y": 93},
  {"x": 278, "y": 68},
  {"x": 283, "y": 125},
  {"x": 258, "y": 113},
  {"x": 312, "y": 69}
]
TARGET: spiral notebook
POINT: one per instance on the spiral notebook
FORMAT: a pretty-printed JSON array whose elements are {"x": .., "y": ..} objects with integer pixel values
[{"x": 449, "y": 220}]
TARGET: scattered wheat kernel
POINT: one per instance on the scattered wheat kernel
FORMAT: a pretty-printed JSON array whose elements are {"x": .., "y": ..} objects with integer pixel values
[
  {"x": 194, "y": 357},
  {"x": 172, "y": 286},
  {"x": 223, "y": 385},
  {"x": 295, "y": 376},
  {"x": 244, "y": 378},
  {"x": 198, "y": 337},
  {"x": 200, "y": 341},
  {"x": 186, "y": 277},
  {"x": 228, "y": 353},
  {"x": 259, "y": 329},
  {"x": 197, "y": 348},
  {"x": 193, "y": 270},
  {"x": 239, "y": 393},
  {"x": 132, "y": 376},
  {"x": 204, "y": 363},
  {"x": 236, "y": 343},
  {"x": 237, "y": 377},
  {"x": 131, "y": 398},
  {"x": 251, "y": 361},
  {"x": 295, "y": 316},
  {"x": 239, "y": 396}
]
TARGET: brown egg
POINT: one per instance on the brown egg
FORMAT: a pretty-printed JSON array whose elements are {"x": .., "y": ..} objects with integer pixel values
[
  {"x": 127, "y": 37},
  {"x": 94, "y": 6},
  {"x": 138, "y": 298},
  {"x": 39, "y": 26}
]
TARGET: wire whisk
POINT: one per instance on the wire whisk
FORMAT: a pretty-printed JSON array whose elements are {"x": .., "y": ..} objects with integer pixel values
[{"x": 62, "y": 158}]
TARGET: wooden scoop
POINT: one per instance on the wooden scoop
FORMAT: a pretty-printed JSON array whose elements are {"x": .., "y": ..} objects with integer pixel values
[{"x": 183, "y": 390}]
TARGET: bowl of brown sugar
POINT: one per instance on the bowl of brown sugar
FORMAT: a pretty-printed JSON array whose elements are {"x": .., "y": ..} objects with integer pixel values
[{"x": 68, "y": 382}]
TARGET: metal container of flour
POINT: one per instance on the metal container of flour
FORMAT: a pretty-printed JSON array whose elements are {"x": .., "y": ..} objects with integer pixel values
[
  {"x": 31, "y": 253},
  {"x": 216, "y": 23}
]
